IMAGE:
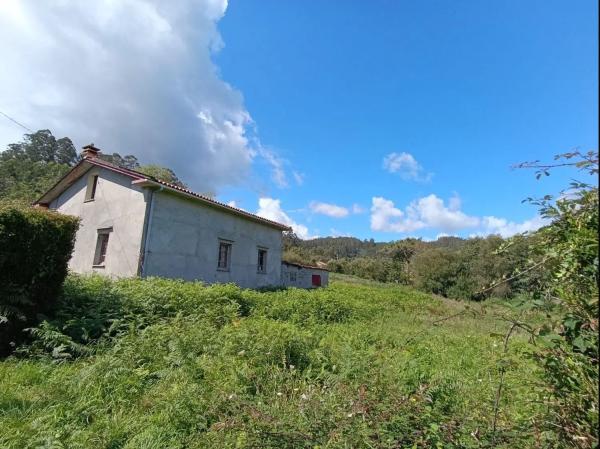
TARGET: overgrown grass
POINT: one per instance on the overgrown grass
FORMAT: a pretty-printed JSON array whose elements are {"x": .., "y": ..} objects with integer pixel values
[{"x": 167, "y": 364}]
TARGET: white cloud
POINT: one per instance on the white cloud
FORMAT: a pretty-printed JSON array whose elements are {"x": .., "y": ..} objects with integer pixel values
[
  {"x": 358, "y": 209},
  {"x": 337, "y": 233},
  {"x": 277, "y": 167},
  {"x": 331, "y": 210},
  {"x": 427, "y": 212},
  {"x": 298, "y": 177},
  {"x": 505, "y": 228},
  {"x": 131, "y": 76},
  {"x": 270, "y": 208},
  {"x": 430, "y": 212},
  {"x": 406, "y": 166}
]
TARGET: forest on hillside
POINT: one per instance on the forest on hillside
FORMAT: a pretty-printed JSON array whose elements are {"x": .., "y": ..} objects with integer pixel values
[{"x": 449, "y": 266}]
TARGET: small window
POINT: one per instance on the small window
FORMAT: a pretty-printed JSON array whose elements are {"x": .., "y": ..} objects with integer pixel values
[
  {"x": 262, "y": 261},
  {"x": 224, "y": 256},
  {"x": 90, "y": 193},
  {"x": 292, "y": 277},
  {"x": 101, "y": 247}
]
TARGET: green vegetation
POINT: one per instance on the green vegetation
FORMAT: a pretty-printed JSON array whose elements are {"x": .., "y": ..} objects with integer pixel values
[
  {"x": 158, "y": 363},
  {"x": 36, "y": 247},
  {"x": 30, "y": 167},
  {"x": 450, "y": 266},
  {"x": 567, "y": 254}
]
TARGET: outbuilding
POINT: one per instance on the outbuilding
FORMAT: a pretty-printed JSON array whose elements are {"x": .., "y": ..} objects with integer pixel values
[{"x": 303, "y": 276}]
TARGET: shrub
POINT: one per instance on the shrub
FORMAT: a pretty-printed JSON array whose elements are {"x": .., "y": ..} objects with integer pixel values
[{"x": 35, "y": 247}]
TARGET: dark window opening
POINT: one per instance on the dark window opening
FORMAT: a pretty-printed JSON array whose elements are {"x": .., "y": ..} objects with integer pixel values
[
  {"x": 262, "y": 261},
  {"x": 101, "y": 247},
  {"x": 224, "y": 256},
  {"x": 90, "y": 193}
]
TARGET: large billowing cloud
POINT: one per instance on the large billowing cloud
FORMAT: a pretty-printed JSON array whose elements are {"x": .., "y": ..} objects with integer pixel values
[
  {"x": 131, "y": 76},
  {"x": 431, "y": 212}
]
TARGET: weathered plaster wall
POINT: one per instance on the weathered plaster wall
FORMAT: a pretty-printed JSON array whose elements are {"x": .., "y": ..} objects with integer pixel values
[
  {"x": 303, "y": 276},
  {"x": 183, "y": 242},
  {"x": 117, "y": 204}
]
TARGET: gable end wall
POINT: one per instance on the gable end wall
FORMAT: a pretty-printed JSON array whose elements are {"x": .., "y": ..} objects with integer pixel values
[{"x": 118, "y": 204}]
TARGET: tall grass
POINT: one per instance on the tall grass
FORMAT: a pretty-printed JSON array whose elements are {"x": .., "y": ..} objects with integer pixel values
[{"x": 169, "y": 364}]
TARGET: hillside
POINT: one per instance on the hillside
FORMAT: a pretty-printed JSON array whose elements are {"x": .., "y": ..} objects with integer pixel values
[{"x": 156, "y": 363}]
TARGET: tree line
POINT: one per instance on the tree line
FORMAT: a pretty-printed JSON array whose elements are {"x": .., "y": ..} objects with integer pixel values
[
  {"x": 449, "y": 266},
  {"x": 30, "y": 167}
]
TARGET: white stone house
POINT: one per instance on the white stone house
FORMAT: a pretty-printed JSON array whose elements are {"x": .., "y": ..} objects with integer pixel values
[{"x": 133, "y": 224}]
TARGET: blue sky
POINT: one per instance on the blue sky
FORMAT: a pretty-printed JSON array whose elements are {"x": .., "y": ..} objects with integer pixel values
[
  {"x": 467, "y": 88},
  {"x": 379, "y": 119}
]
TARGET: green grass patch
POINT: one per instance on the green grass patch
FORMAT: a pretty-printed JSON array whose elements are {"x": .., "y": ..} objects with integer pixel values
[{"x": 167, "y": 364}]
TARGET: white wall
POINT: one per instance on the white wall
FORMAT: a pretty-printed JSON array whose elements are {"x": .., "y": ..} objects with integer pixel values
[
  {"x": 303, "y": 276},
  {"x": 183, "y": 242},
  {"x": 117, "y": 204}
]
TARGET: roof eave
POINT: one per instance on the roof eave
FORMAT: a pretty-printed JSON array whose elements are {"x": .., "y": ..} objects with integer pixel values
[{"x": 211, "y": 203}]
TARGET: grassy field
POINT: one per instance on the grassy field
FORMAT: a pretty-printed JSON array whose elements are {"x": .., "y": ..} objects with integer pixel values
[{"x": 166, "y": 364}]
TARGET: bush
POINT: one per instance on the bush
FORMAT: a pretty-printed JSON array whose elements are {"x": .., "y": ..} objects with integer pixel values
[{"x": 35, "y": 247}]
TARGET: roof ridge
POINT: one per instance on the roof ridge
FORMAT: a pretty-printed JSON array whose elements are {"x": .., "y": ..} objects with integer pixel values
[{"x": 135, "y": 173}]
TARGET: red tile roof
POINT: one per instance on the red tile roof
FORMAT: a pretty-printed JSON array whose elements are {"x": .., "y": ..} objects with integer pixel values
[{"x": 139, "y": 176}]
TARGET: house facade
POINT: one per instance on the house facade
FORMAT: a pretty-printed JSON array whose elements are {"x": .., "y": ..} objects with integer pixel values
[{"x": 135, "y": 225}]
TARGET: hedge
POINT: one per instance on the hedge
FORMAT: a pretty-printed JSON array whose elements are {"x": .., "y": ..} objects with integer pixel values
[{"x": 35, "y": 248}]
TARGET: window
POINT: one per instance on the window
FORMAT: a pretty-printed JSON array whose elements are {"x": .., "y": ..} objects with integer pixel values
[
  {"x": 90, "y": 193},
  {"x": 261, "y": 266},
  {"x": 292, "y": 277},
  {"x": 101, "y": 247},
  {"x": 224, "y": 256}
]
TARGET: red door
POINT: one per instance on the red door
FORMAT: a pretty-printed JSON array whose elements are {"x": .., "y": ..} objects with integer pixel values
[{"x": 316, "y": 280}]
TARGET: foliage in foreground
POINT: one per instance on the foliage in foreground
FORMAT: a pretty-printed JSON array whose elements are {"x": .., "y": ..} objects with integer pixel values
[
  {"x": 567, "y": 251},
  {"x": 157, "y": 363},
  {"x": 35, "y": 247}
]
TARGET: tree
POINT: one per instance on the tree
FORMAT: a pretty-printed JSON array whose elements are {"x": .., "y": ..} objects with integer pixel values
[
  {"x": 567, "y": 250},
  {"x": 162, "y": 173},
  {"x": 42, "y": 146},
  {"x": 128, "y": 161},
  {"x": 31, "y": 167}
]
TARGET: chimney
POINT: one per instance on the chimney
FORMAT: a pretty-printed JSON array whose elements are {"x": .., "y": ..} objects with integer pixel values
[{"x": 90, "y": 151}]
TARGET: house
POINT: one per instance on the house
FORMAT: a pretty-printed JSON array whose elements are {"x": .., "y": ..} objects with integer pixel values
[
  {"x": 303, "y": 276},
  {"x": 133, "y": 224}
]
